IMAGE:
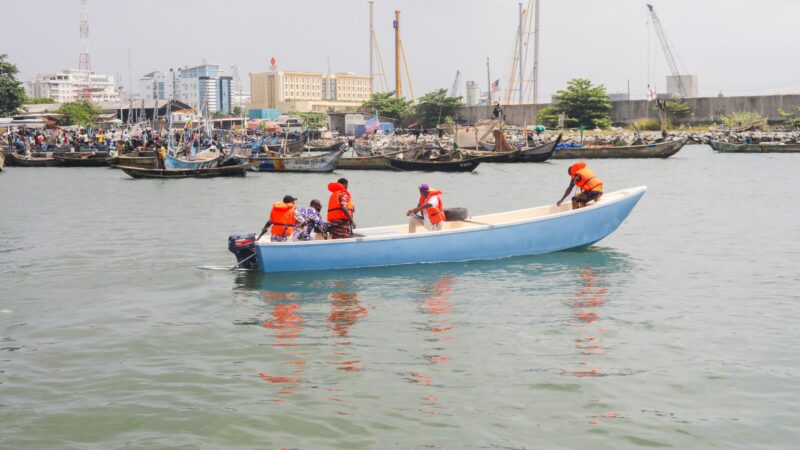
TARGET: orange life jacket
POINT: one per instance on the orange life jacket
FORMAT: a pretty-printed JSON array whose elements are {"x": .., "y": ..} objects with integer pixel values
[
  {"x": 435, "y": 214},
  {"x": 335, "y": 210},
  {"x": 282, "y": 218},
  {"x": 584, "y": 178}
]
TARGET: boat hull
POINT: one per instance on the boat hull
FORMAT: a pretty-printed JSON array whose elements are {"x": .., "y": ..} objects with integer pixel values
[
  {"x": 321, "y": 163},
  {"x": 467, "y": 165},
  {"x": 659, "y": 150},
  {"x": 22, "y": 161},
  {"x": 726, "y": 147},
  {"x": 559, "y": 229},
  {"x": 238, "y": 170},
  {"x": 535, "y": 154}
]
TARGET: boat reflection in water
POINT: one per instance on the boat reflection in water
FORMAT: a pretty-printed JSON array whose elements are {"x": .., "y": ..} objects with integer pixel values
[
  {"x": 286, "y": 323},
  {"x": 342, "y": 339}
]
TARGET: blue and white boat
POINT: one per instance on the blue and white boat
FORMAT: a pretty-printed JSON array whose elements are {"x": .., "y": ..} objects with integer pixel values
[
  {"x": 203, "y": 160},
  {"x": 530, "y": 231}
]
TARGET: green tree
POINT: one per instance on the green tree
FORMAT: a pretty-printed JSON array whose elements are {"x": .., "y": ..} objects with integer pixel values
[
  {"x": 792, "y": 118},
  {"x": 12, "y": 95},
  {"x": 38, "y": 100},
  {"x": 677, "y": 108},
  {"x": 742, "y": 118},
  {"x": 313, "y": 120},
  {"x": 581, "y": 103},
  {"x": 81, "y": 112},
  {"x": 387, "y": 105},
  {"x": 237, "y": 111},
  {"x": 437, "y": 107}
]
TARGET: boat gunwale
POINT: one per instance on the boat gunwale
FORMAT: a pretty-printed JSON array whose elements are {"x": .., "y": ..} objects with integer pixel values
[{"x": 627, "y": 193}]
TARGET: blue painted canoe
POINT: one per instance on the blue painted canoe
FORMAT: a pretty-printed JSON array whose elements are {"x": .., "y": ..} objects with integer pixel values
[
  {"x": 530, "y": 231},
  {"x": 204, "y": 160}
]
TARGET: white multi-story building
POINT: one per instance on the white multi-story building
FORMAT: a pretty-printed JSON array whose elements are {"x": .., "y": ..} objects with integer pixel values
[
  {"x": 155, "y": 86},
  {"x": 71, "y": 85},
  {"x": 205, "y": 87},
  {"x": 308, "y": 91}
]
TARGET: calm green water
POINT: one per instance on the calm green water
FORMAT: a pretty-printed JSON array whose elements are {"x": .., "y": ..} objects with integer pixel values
[{"x": 680, "y": 330}]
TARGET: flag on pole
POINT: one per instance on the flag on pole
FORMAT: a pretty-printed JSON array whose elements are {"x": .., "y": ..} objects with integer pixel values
[
  {"x": 651, "y": 95},
  {"x": 372, "y": 124},
  {"x": 496, "y": 85}
]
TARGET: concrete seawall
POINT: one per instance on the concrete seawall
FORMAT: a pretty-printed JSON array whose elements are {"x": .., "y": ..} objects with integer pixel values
[{"x": 704, "y": 109}]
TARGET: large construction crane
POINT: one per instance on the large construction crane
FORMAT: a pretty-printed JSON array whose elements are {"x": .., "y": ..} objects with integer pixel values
[
  {"x": 456, "y": 84},
  {"x": 662, "y": 37}
]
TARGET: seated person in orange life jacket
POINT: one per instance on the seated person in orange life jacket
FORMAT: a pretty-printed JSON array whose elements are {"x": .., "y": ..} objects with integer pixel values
[
  {"x": 283, "y": 219},
  {"x": 591, "y": 187},
  {"x": 429, "y": 210}
]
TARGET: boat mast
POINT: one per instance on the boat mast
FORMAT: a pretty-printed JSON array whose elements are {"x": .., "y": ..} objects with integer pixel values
[
  {"x": 519, "y": 45},
  {"x": 489, "y": 80},
  {"x": 371, "y": 45},
  {"x": 398, "y": 84},
  {"x": 536, "y": 51}
]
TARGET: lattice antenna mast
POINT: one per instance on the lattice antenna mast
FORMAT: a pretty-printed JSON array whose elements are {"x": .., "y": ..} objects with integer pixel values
[
  {"x": 85, "y": 60},
  {"x": 662, "y": 37},
  {"x": 456, "y": 84}
]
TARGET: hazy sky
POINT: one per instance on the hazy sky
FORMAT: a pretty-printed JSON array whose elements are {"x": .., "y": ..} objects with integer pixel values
[{"x": 735, "y": 46}]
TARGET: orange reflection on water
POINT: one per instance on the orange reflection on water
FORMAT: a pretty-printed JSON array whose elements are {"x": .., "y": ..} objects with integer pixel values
[
  {"x": 346, "y": 310},
  {"x": 589, "y": 300},
  {"x": 287, "y": 323}
]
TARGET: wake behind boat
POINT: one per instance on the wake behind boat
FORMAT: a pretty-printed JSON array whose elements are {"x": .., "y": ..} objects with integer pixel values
[{"x": 530, "y": 231}]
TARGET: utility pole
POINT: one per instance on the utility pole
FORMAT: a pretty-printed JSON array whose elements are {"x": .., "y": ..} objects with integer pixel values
[
  {"x": 536, "y": 52},
  {"x": 519, "y": 44},
  {"x": 489, "y": 80},
  {"x": 371, "y": 45},
  {"x": 398, "y": 84}
]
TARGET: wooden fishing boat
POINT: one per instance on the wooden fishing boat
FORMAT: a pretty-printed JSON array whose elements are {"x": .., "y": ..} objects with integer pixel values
[
  {"x": 464, "y": 165},
  {"x": 377, "y": 162},
  {"x": 764, "y": 147},
  {"x": 539, "y": 153},
  {"x": 532, "y": 231},
  {"x": 657, "y": 150},
  {"x": 202, "y": 160},
  {"x": 79, "y": 160},
  {"x": 292, "y": 146},
  {"x": 30, "y": 161},
  {"x": 146, "y": 159},
  {"x": 318, "y": 163},
  {"x": 238, "y": 170}
]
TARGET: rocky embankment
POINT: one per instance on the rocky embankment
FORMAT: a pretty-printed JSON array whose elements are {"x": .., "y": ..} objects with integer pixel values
[{"x": 647, "y": 137}]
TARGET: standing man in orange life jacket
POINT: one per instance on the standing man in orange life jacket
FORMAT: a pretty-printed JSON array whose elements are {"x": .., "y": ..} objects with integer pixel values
[
  {"x": 591, "y": 187},
  {"x": 340, "y": 210},
  {"x": 429, "y": 210}
]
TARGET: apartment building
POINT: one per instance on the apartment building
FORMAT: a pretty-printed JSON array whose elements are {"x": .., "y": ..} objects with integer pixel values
[
  {"x": 308, "y": 91},
  {"x": 71, "y": 85}
]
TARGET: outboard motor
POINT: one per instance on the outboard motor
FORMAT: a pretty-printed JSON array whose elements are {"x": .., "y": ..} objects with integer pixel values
[{"x": 244, "y": 247}]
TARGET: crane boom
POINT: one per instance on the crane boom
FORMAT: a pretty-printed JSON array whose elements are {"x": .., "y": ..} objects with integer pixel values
[
  {"x": 662, "y": 37},
  {"x": 456, "y": 83}
]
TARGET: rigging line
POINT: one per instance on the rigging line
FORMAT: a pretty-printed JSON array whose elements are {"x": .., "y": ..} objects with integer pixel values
[
  {"x": 527, "y": 84},
  {"x": 384, "y": 82},
  {"x": 408, "y": 72}
]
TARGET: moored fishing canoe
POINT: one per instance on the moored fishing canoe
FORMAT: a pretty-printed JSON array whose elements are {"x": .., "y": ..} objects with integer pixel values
[
  {"x": 376, "y": 162},
  {"x": 23, "y": 161},
  {"x": 532, "y": 231},
  {"x": 320, "y": 163},
  {"x": 90, "y": 160},
  {"x": 238, "y": 170},
  {"x": 540, "y": 153},
  {"x": 464, "y": 165},
  {"x": 657, "y": 150},
  {"x": 764, "y": 147},
  {"x": 173, "y": 162}
]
